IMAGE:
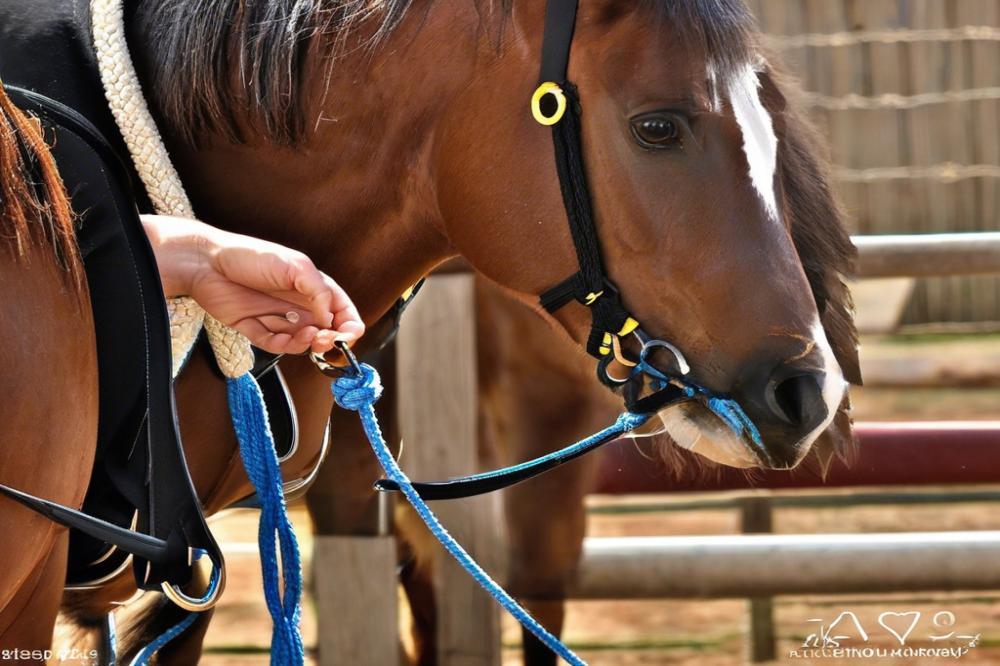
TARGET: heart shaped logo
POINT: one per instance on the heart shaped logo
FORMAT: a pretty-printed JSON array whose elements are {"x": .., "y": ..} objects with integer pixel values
[{"x": 900, "y": 621}]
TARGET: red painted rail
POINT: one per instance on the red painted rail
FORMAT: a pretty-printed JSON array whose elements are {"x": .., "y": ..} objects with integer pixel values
[{"x": 890, "y": 454}]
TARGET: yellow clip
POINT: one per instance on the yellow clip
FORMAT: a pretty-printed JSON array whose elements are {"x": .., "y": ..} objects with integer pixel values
[
  {"x": 607, "y": 339},
  {"x": 604, "y": 350},
  {"x": 548, "y": 88},
  {"x": 591, "y": 297},
  {"x": 630, "y": 325},
  {"x": 408, "y": 294}
]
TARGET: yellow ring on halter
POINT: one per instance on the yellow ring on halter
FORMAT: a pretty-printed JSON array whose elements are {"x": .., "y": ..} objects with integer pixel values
[
  {"x": 180, "y": 599},
  {"x": 548, "y": 88}
]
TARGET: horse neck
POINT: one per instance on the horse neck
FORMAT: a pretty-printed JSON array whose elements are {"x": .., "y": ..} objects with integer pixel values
[{"x": 358, "y": 196}]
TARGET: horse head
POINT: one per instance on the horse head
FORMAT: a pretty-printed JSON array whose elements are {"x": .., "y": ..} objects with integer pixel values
[
  {"x": 710, "y": 202},
  {"x": 383, "y": 142}
]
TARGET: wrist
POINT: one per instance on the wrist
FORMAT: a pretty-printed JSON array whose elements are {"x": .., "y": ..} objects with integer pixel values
[{"x": 184, "y": 250}]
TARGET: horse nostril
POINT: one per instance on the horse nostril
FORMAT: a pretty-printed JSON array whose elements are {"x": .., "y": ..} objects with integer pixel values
[{"x": 797, "y": 400}]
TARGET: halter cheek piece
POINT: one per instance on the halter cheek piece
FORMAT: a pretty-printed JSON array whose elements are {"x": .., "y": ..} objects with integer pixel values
[{"x": 555, "y": 104}]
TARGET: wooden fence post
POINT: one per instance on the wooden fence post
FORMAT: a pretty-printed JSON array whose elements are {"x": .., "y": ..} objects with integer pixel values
[
  {"x": 438, "y": 420},
  {"x": 354, "y": 551},
  {"x": 756, "y": 518}
]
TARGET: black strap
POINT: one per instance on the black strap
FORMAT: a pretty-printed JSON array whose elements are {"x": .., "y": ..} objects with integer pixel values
[
  {"x": 141, "y": 545},
  {"x": 576, "y": 194},
  {"x": 590, "y": 285},
  {"x": 560, "y": 22}
]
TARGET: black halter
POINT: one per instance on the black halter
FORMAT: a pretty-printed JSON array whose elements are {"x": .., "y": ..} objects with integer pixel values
[{"x": 556, "y": 104}]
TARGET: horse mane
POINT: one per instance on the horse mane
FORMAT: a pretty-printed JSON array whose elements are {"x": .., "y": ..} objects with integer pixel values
[
  {"x": 252, "y": 54},
  {"x": 251, "y": 58},
  {"x": 34, "y": 205}
]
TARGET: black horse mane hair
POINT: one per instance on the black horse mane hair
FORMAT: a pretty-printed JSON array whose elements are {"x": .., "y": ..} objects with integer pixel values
[{"x": 210, "y": 64}]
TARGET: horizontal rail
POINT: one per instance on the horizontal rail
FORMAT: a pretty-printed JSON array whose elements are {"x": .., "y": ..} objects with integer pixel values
[
  {"x": 779, "y": 564},
  {"x": 924, "y": 255},
  {"x": 889, "y": 454},
  {"x": 811, "y": 500}
]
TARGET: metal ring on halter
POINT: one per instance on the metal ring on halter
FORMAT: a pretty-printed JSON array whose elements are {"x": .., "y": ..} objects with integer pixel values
[
  {"x": 548, "y": 88},
  {"x": 649, "y": 345},
  {"x": 192, "y": 604},
  {"x": 606, "y": 377}
]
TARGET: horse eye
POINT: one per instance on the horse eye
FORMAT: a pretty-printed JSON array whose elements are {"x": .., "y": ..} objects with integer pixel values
[{"x": 656, "y": 130}]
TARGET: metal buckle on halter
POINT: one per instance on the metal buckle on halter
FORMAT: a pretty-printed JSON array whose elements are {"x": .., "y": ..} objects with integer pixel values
[
  {"x": 335, "y": 371},
  {"x": 643, "y": 366}
]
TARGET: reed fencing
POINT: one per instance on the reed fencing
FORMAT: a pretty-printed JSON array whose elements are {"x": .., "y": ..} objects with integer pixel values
[{"x": 908, "y": 94}]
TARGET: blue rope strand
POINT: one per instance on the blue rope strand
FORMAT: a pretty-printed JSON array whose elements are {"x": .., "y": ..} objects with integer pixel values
[
  {"x": 626, "y": 422},
  {"x": 261, "y": 462},
  {"x": 359, "y": 393},
  {"x": 727, "y": 409}
]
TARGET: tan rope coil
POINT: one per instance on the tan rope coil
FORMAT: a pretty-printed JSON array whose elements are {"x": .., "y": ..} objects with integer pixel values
[{"x": 152, "y": 161}]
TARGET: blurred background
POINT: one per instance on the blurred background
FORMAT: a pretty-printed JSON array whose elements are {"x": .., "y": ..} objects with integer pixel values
[{"x": 907, "y": 92}]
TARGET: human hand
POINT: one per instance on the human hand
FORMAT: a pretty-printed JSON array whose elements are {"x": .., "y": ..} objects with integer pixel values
[{"x": 273, "y": 295}]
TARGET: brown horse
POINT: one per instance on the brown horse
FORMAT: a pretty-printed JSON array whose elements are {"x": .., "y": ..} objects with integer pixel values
[
  {"x": 521, "y": 423},
  {"x": 383, "y": 139}
]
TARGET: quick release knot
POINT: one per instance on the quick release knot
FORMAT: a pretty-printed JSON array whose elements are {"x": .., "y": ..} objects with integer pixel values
[{"x": 357, "y": 390}]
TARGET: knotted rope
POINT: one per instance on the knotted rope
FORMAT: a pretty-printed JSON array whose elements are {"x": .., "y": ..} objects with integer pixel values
[
  {"x": 359, "y": 392},
  {"x": 233, "y": 352}
]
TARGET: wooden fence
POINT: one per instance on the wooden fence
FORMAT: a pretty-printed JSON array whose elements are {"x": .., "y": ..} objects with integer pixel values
[{"x": 908, "y": 94}]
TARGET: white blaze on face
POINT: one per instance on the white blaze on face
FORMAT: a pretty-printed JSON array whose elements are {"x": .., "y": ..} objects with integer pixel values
[
  {"x": 834, "y": 384},
  {"x": 759, "y": 141}
]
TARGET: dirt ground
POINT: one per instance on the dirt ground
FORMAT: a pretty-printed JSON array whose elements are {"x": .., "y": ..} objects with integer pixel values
[{"x": 705, "y": 633}]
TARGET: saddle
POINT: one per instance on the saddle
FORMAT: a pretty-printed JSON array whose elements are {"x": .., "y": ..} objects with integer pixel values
[{"x": 141, "y": 506}]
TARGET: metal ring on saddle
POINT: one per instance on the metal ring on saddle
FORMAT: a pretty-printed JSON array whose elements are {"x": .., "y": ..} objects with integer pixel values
[
  {"x": 541, "y": 92},
  {"x": 217, "y": 583}
]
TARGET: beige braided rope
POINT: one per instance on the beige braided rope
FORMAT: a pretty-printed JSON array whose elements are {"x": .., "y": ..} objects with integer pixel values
[{"x": 152, "y": 161}]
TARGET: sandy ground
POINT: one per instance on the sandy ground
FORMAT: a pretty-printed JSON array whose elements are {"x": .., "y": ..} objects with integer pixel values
[{"x": 703, "y": 633}]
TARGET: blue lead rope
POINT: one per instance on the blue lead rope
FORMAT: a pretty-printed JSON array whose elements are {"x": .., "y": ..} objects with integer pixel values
[
  {"x": 261, "y": 462},
  {"x": 359, "y": 392},
  {"x": 249, "y": 415}
]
